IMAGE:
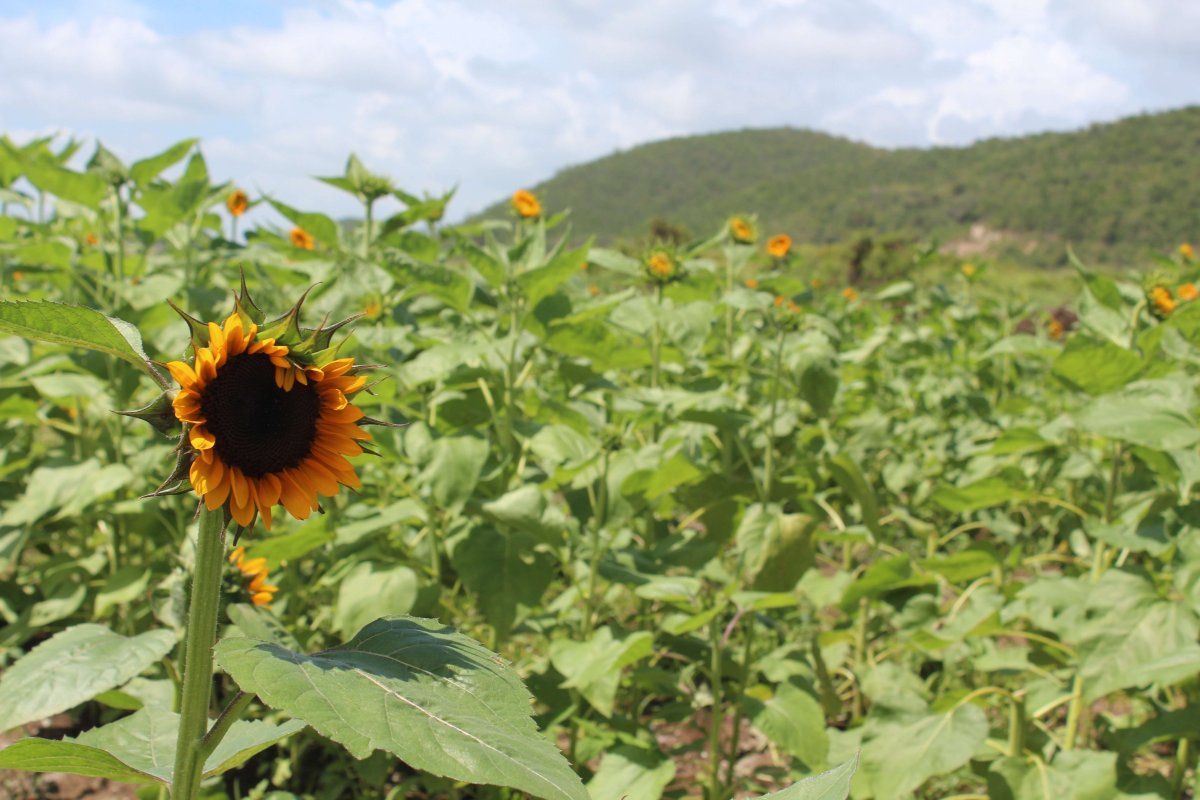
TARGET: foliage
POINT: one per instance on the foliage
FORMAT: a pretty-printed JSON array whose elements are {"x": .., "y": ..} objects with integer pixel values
[{"x": 730, "y": 532}]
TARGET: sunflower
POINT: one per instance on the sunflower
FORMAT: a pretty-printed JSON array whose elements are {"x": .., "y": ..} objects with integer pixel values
[
  {"x": 526, "y": 204},
  {"x": 1187, "y": 251},
  {"x": 751, "y": 283},
  {"x": 1188, "y": 292},
  {"x": 850, "y": 293},
  {"x": 265, "y": 421},
  {"x": 261, "y": 592},
  {"x": 302, "y": 239},
  {"x": 661, "y": 265},
  {"x": 968, "y": 270},
  {"x": 779, "y": 245},
  {"x": 742, "y": 231},
  {"x": 237, "y": 202},
  {"x": 1163, "y": 302}
]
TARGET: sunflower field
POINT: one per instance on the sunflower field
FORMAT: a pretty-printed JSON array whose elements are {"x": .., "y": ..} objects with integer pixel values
[{"x": 392, "y": 508}]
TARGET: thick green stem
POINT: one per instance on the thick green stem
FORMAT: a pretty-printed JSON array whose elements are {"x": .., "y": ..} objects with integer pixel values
[
  {"x": 198, "y": 655},
  {"x": 716, "y": 790},
  {"x": 599, "y": 519},
  {"x": 1074, "y": 712},
  {"x": 1016, "y": 724},
  {"x": 739, "y": 706},
  {"x": 368, "y": 230},
  {"x": 1183, "y": 758},
  {"x": 769, "y": 456}
]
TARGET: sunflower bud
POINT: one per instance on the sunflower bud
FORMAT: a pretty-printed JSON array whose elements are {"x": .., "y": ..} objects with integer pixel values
[{"x": 160, "y": 414}]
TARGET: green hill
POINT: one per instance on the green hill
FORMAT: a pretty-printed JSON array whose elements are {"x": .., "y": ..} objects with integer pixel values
[{"x": 1114, "y": 191}]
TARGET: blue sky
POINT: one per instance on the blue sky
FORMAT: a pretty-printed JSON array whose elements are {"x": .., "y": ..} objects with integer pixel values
[{"x": 492, "y": 97}]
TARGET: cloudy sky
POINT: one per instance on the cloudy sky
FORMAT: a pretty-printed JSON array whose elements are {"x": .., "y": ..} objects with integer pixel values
[{"x": 495, "y": 96}]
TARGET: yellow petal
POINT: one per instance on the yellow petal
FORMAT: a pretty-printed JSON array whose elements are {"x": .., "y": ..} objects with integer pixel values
[
  {"x": 183, "y": 374},
  {"x": 200, "y": 438}
]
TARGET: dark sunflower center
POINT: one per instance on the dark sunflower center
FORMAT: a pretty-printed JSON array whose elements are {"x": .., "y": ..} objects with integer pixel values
[{"x": 259, "y": 427}]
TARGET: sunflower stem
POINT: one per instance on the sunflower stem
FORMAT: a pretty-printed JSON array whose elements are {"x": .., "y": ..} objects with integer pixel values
[{"x": 198, "y": 655}]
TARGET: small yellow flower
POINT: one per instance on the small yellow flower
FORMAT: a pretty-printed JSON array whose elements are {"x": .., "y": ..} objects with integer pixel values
[
  {"x": 792, "y": 307},
  {"x": 741, "y": 231},
  {"x": 583, "y": 266},
  {"x": 968, "y": 269},
  {"x": 816, "y": 283},
  {"x": 302, "y": 239},
  {"x": 752, "y": 283},
  {"x": 593, "y": 290},
  {"x": 779, "y": 245},
  {"x": 372, "y": 310},
  {"x": 1055, "y": 329},
  {"x": 1188, "y": 292},
  {"x": 778, "y": 300},
  {"x": 1163, "y": 302},
  {"x": 850, "y": 293},
  {"x": 526, "y": 204},
  {"x": 237, "y": 202},
  {"x": 661, "y": 266},
  {"x": 18, "y": 276},
  {"x": 1186, "y": 251},
  {"x": 261, "y": 592},
  {"x": 91, "y": 239}
]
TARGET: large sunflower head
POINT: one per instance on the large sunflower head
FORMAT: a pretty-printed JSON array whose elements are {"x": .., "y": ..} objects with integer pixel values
[{"x": 267, "y": 414}]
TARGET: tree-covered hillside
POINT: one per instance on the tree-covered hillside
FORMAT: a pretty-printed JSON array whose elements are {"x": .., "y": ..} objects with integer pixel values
[{"x": 1115, "y": 191}]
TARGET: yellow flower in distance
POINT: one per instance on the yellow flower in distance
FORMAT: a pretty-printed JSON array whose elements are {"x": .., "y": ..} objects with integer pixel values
[
  {"x": 661, "y": 266},
  {"x": 261, "y": 592},
  {"x": 850, "y": 293},
  {"x": 752, "y": 283},
  {"x": 1164, "y": 303},
  {"x": 265, "y": 427},
  {"x": 1186, "y": 251},
  {"x": 779, "y": 245},
  {"x": 526, "y": 204},
  {"x": 742, "y": 231},
  {"x": 237, "y": 202},
  {"x": 968, "y": 269},
  {"x": 91, "y": 239},
  {"x": 302, "y": 239},
  {"x": 1188, "y": 292},
  {"x": 816, "y": 283}
]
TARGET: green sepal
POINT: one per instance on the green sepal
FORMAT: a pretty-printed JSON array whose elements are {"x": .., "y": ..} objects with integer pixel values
[
  {"x": 198, "y": 329},
  {"x": 245, "y": 303},
  {"x": 159, "y": 414}
]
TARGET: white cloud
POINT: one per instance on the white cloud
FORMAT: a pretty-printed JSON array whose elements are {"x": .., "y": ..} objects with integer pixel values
[{"x": 437, "y": 92}]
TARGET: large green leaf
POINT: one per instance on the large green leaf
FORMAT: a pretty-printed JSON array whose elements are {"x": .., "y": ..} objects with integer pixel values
[
  {"x": 371, "y": 589},
  {"x": 632, "y": 773},
  {"x": 845, "y": 471},
  {"x": 901, "y": 754},
  {"x": 1140, "y": 418},
  {"x": 983, "y": 493},
  {"x": 430, "y": 696},
  {"x": 1073, "y": 775},
  {"x": 76, "y": 326},
  {"x": 324, "y": 229},
  {"x": 140, "y": 748},
  {"x": 833, "y": 784},
  {"x": 73, "y": 666},
  {"x": 794, "y": 722},
  {"x": 594, "y": 667},
  {"x": 84, "y": 188},
  {"x": 453, "y": 470},
  {"x": 504, "y": 570},
  {"x": 1096, "y": 366},
  {"x": 541, "y": 282},
  {"x": 147, "y": 169}
]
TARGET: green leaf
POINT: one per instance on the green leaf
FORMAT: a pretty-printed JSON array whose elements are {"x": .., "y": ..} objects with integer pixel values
[
  {"x": 73, "y": 666},
  {"x": 371, "y": 589},
  {"x": 1138, "y": 420},
  {"x": 140, "y": 748},
  {"x": 847, "y": 474},
  {"x": 504, "y": 570},
  {"x": 454, "y": 469},
  {"x": 452, "y": 288},
  {"x": 594, "y": 667},
  {"x": 123, "y": 586},
  {"x": 1095, "y": 366},
  {"x": 794, "y": 721},
  {"x": 84, "y": 188},
  {"x": 901, "y": 754},
  {"x": 297, "y": 544},
  {"x": 76, "y": 326},
  {"x": 541, "y": 282},
  {"x": 884, "y": 576},
  {"x": 983, "y": 493},
  {"x": 148, "y": 169},
  {"x": 324, "y": 229},
  {"x": 430, "y": 696},
  {"x": 774, "y": 549},
  {"x": 43, "y": 254},
  {"x": 832, "y": 784},
  {"x": 252, "y": 621},
  {"x": 1073, "y": 775},
  {"x": 632, "y": 773}
]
